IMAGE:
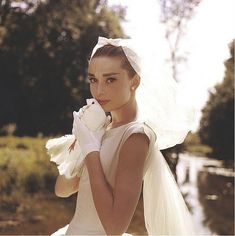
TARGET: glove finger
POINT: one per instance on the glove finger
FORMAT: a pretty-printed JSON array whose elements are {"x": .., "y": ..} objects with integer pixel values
[
  {"x": 74, "y": 119},
  {"x": 80, "y": 113},
  {"x": 74, "y": 128},
  {"x": 84, "y": 108},
  {"x": 75, "y": 113},
  {"x": 78, "y": 124}
]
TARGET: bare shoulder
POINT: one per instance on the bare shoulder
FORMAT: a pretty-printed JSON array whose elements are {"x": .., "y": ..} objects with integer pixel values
[
  {"x": 135, "y": 147},
  {"x": 133, "y": 153}
]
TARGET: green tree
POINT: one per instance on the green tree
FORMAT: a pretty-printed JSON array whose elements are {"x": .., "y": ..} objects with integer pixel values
[
  {"x": 217, "y": 123},
  {"x": 44, "y": 49}
]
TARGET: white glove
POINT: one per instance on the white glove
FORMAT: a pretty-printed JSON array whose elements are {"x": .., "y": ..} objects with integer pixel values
[
  {"x": 92, "y": 115},
  {"x": 89, "y": 141},
  {"x": 66, "y": 151}
]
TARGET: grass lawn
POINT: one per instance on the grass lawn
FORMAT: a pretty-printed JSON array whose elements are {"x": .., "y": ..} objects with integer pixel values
[{"x": 28, "y": 204}]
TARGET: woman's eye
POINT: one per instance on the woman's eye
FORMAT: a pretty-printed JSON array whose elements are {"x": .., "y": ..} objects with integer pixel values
[
  {"x": 110, "y": 80},
  {"x": 92, "y": 80}
]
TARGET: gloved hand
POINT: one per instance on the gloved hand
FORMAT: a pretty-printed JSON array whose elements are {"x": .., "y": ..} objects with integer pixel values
[
  {"x": 66, "y": 151},
  {"x": 92, "y": 115},
  {"x": 89, "y": 141}
]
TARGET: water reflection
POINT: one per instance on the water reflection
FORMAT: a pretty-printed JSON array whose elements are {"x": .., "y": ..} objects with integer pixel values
[{"x": 209, "y": 191}]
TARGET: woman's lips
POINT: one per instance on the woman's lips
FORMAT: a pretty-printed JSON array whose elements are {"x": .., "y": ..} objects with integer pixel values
[{"x": 103, "y": 102}]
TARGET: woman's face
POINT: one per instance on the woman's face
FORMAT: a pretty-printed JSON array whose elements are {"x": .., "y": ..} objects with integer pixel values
[{"x": 110, "y": 84}]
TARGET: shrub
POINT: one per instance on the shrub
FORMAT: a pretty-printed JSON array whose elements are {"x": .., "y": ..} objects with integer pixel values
[{"x": 32, "y": 183}]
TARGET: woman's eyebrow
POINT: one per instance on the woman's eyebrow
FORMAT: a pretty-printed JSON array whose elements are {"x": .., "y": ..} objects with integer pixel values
[
  {"x": 109, "y": 74},
  {"x": 106, "y": 74}
]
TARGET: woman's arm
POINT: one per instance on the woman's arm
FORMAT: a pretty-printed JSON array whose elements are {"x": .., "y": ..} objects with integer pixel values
[
  {"x": 116, "y": 206},
  {"x": 66, "y": 187}
]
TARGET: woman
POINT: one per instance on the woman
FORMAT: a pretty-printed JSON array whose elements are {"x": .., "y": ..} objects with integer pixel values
[{"x": 123, "y": 154}]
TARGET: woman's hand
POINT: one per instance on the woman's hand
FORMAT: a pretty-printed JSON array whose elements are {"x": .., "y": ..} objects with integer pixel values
[{"x": 89, "y": 141}]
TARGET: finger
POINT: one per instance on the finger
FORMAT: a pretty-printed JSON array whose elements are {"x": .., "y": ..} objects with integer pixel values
[
  {"x": 74, "y": 119},
  {"x": 74, "y": 128},
  {"x": 75, "y": 122},
  {"x": 85, "y": 107},
  {"x": 82, "y": 126},
  {"x": 78, "y": 122},
  {"x": 80, "y": 113},
  {"x": 82, "y": 110},
  {"x": 75, "y": 113}
]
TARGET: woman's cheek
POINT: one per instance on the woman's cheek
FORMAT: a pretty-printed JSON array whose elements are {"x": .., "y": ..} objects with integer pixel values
[{"x": 92, "y": 90}]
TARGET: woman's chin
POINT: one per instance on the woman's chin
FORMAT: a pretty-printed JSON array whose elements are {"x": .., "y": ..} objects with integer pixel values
[{"x": 106, "y": 109}]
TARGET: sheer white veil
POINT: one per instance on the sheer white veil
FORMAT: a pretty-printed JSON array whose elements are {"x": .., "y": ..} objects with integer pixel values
[{"x": 162, "y": 105}]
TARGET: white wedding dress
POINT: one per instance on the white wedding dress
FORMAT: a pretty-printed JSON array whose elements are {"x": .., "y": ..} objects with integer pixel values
[{"x": 86, "y": 220}]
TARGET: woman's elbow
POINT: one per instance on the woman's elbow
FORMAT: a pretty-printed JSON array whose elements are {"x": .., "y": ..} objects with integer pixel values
[
  {"x": 65, "y": 188},
  {"x": 59, "y": 192},
  {"x": 63, "y": 192},
  {"x": 116, "y": 229}
]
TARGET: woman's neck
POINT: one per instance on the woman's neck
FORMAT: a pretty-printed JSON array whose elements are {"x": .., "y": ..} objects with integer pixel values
[{"x": 125, "y": 114}]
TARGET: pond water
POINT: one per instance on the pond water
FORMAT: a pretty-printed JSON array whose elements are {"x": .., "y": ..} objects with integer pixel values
[{"x": 209, "y": 192}]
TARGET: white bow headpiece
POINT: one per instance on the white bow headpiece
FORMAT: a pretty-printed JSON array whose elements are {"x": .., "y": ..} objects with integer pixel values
[{"x": 128, "y": 46}]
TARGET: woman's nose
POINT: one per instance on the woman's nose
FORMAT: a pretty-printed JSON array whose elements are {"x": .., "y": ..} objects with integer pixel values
[{"x": 100, "y": 89}]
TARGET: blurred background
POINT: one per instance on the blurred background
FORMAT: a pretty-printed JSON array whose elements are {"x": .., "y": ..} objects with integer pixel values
[{"x": 44, "y": 48}]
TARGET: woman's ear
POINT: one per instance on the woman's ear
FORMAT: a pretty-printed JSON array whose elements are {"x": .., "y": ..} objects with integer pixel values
[{"x": 135, "y": 81}]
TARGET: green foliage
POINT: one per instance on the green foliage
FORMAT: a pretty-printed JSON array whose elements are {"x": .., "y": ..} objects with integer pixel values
[
  {"x": 32, "y": 183},
  {"x": 27, "y": 180},
  {"x": 193, "y": 145},
  {"x": 217, "y": 123},
  {"x": 43, "y": 60},
  {"x": 26, "y": 170}
]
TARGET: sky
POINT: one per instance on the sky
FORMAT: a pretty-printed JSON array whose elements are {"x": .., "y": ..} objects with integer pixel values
[{"x": 207, "y": 36}]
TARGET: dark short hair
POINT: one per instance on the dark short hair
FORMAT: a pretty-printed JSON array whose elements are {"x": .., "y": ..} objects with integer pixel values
[{"x": 113, "y": 51}]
